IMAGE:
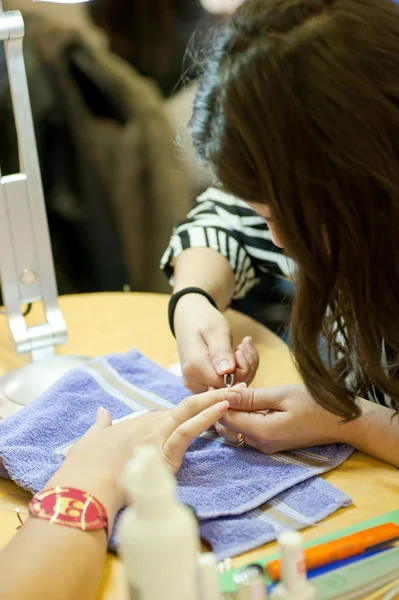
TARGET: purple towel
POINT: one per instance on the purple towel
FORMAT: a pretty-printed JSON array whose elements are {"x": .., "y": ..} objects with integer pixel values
[
  {"x": 298, "y": 507},
  {"x": 220, "y": 480}
]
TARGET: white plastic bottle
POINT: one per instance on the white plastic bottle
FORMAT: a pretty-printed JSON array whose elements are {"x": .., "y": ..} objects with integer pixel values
[
  {"x": 208, "y": 577},
  {"x": 159, "y": 538},
  {"x": 294, "y": 583}
]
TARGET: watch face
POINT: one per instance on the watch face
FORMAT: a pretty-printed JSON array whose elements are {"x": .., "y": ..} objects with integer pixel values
[{"x": 71, "y": 507}]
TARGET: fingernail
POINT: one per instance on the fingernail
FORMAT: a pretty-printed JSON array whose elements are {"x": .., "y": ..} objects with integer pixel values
[
  {"x": 240, "y": 355},
  {"x": 232, "y": 398},
  {"x": 223, "y": 366},
  {"x": 241, "y": 384},
  {"x": 100, "y": 412},
  {"x": 221, "y": 407},
  {"x": 249, "y": 341}
]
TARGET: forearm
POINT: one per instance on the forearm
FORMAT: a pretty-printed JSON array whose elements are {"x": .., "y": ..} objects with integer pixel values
[
  {"x": 54, "y": 561},
  {"x": 375, "y": 432},
  {"x": 207, "y": 269},
  {"x": 51, "y": 561}
]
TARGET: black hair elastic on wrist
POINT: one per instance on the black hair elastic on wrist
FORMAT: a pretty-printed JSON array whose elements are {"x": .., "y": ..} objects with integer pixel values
[{"x": 176, "y": 297}]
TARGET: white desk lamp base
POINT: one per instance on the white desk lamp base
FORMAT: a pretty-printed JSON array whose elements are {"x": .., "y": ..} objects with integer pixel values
[
  {"x": 26, "y": 264},
  {"x": 21, "y": 386}
]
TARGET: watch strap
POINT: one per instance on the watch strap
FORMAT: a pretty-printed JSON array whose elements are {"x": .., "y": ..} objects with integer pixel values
[
  {"x": 176, "y": 297},
  {"x": 69, "y": 507}
]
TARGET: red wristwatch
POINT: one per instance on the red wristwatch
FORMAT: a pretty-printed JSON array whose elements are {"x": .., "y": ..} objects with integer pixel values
[{"x": 70, "y": 507}]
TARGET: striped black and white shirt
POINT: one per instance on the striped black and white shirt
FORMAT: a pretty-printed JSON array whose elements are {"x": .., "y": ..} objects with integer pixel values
[
  {"x": 230, "y": 226},
  {"x": 227, "y": 224}
]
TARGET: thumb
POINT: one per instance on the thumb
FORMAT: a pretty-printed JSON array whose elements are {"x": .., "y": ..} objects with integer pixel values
[
  {"x": 221, "y": 352},
  {"x": 252, "y": 399},
  {"x": 103, "y": 419}
]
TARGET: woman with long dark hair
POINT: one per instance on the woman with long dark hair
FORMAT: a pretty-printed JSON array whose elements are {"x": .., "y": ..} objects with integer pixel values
[{"x": 297, "y": 114}]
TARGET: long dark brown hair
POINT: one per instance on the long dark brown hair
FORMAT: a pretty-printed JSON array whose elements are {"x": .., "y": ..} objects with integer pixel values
[{"x": 298, "y": 108}]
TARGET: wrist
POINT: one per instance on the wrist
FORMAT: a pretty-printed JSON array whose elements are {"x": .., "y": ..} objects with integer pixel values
[
  {"x": 221, "y": 300},
  {"x": 375, "y": 432},
  {"x": 189, "y": 303},
  {"x": 332, "y": 430},
  {"x": 98, "y": 484},
  {"x": 353, "y": 431},
  {"x": 219, "y": 292},
  {"x": 208, "y": 289},
  {"x": 188, "y": 309},
  {"x": 178, "y": 296}
]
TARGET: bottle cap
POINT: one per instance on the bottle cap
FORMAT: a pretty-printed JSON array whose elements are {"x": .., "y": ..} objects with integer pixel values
[
  {"x": 208, "y": 576},
  {"x": 294, "y": 583},
  {"x": 251, "y": 583},
  {"x": 147, "y": 479}
]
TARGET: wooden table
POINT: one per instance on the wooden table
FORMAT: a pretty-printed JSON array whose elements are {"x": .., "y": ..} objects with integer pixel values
[{"x": 103, "y": 323}]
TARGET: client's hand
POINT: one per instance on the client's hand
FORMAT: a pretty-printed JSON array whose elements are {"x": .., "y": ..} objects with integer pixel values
[{"x": 95, "y": 462}]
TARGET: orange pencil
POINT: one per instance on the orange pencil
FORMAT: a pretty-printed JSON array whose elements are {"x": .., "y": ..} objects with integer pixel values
[{"x": 345, "y": 547}]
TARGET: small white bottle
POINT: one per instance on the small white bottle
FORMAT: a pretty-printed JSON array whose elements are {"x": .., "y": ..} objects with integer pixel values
[
  {"x": 208, "y": 577},
  {"x": 159, "y": 538},
  {"x": 294, "y": 583}
]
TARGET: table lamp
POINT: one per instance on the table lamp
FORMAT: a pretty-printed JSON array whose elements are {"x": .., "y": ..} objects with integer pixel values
[{"x": 27, "y": 273}]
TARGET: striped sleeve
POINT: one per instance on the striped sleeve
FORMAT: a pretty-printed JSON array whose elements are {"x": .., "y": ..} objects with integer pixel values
[{"x": 227, "y": 224}]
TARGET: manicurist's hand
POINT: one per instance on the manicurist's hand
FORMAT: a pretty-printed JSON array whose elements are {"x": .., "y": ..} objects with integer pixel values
[
  {"x": 287, "y": 417},
  {"x": 278, "y": 419},
  {"x": 205, "y": 346},
  {"x": 203, "y": 334}
]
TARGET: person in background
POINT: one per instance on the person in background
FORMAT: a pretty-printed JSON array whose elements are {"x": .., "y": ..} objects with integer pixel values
[
  {"x": 162, "y": 40},
  {"x": 153, "y": 36},
  {"x": 159, "y": 37},
  {"x": 297, "y": 114},
  {"x": 45, "y": 560}
]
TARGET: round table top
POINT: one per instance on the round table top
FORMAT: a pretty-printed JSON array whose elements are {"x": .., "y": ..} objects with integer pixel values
[{"x": 115, "y": 322}]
